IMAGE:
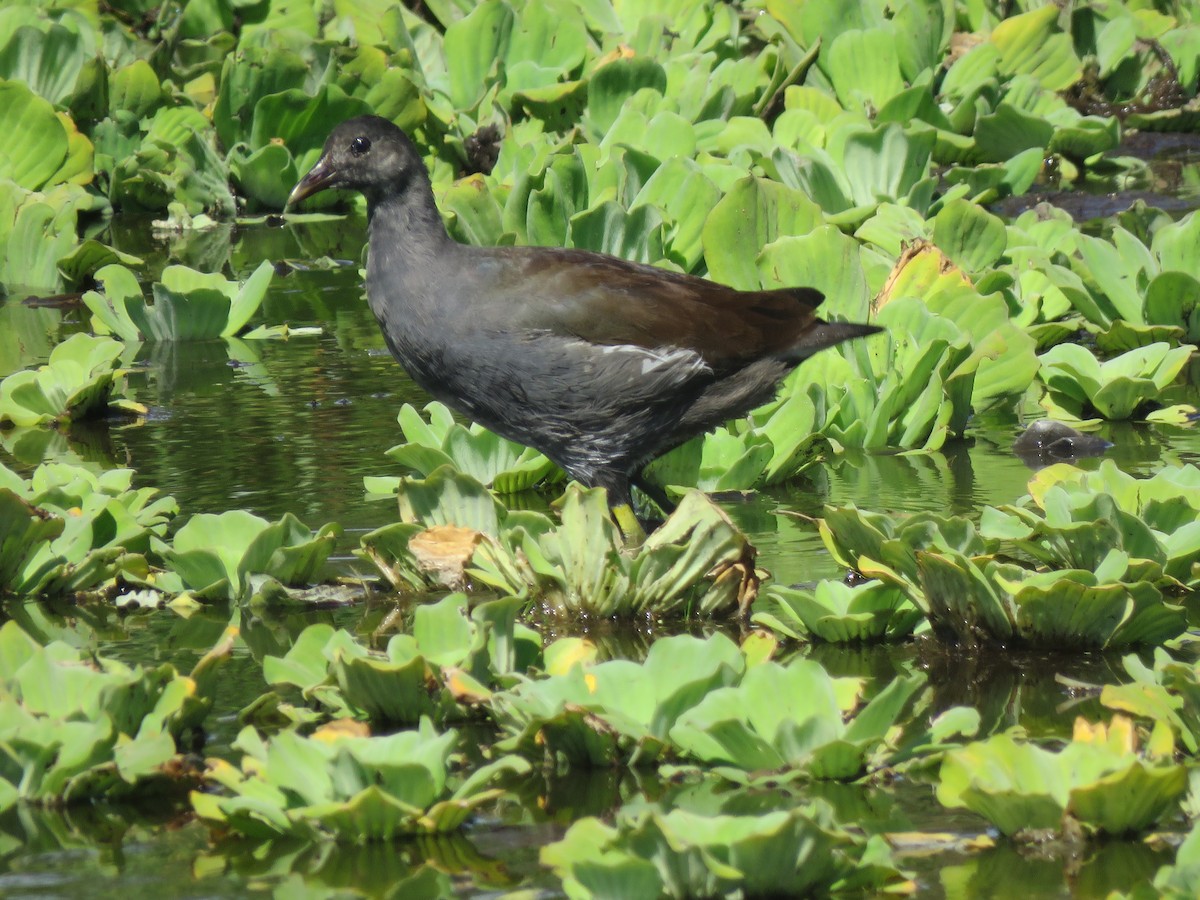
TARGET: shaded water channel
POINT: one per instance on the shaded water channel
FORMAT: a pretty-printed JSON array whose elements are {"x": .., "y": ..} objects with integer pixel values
[{"x": 294, "y": 426}]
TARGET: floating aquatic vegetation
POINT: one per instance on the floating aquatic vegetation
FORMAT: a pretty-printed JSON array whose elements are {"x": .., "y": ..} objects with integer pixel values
[
  {"x": 1064, "y": 609},
  {"x": 858, "y": 169},
  {"x": 446, "y": 666},
  {"x": 914, "y": 391},
  {"x": 616, "y": 712},
  {"x": 67, "y": 530},
  {"x": 1076, "y": 519},
  {"x": 344, "y": 783},
  {"x": 47, "y": 149},
  {"x": 872, "y": 542},
  {"x": 703, "y": 701},
  {"x": 1182, "y": 879},
  {"x": 792, "y": 719},
  {"x": 724, "y": 460},
  {"x": 697, "y": 562},
  {"x": 188, "y": 306},
  {"x": 1138, "y": 291},
  {"x": 75, "y": 727},
  {"x": 79, "y": 381},
  {"x": 502, "y": 465},
  {"x": 795, "y": 145},
  {"x": 1098, "y": 780},
  {"x": 954, "y": 573},
  {"x": 1079, "y": 386},
  {"x": 968, "y": 240},
  {"x": 169, "y": 159},
  {"x": 214, "y": 557},
  {"x": 39, "y": 245},
  {"x": 838, "y": 613},
  {"x": 1166, "y": 693}
]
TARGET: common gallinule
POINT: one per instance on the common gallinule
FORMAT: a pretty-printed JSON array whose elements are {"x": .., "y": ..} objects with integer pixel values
[{"x": 600, "y": 363}]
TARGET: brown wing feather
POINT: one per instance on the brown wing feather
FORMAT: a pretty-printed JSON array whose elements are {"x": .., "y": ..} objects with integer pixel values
[{"x": 606, "y": 300}]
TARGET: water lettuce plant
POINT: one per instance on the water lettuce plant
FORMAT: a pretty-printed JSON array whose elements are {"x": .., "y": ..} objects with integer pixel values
[
  {"x": 1065, "y": 609},
  {"x": 1166, "y": 695},
  {"x": 79, "y": 381},
  {"x": 1097, "y": 779},
  {"x": 727, "y": 460},
  {"x": 448, "y": 664},
  {"x": 1079, "y": 386},
  {"x": 214, "y": 557},
  {"x": 705, "y": 702},
  {"x": 40, "y": 249},
  {"x": 44, "y": 201},
  {"x": 918, "y": 388},
  {"x": 1077, "y": 519},
  {"x": 76, "y": 727},
  {"x": 435, "y": 440},
  {"x": 792, "y": 718},
  {"x": 696, "y": 562},
  {"x": 1139, "y": 287},
  {"x": 68, "y": 531},
  {"x": 837, "y": 613},
  {"x": 343, "y": 783},
  {"x": 188, "y": 305},
  {"x": 1105, "y": 589},
  {"x": 615, "y": 712},
  {"x": 1182, "y": 878},
  {"x": 856, "y": 148}
]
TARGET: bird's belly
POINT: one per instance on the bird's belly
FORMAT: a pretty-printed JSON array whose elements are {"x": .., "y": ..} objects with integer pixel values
[{"x": 584, "y": 408}]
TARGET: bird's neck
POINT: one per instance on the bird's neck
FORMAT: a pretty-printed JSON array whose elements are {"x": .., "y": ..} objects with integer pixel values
[
  {"x": 409, "y": 224},
  {"x": 411, "y": 260}
]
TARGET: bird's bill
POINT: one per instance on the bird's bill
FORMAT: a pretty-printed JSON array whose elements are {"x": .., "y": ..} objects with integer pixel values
[{"x": 318, "y": 178}]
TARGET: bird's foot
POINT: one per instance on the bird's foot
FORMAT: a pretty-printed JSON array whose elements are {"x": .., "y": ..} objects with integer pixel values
[{"x": 630, "y": 525}]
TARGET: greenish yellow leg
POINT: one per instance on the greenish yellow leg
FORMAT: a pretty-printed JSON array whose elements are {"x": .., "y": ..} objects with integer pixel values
[{"x": 628, "y": 522}]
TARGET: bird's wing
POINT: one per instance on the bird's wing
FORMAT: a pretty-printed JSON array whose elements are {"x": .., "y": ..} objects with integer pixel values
[{"x": 608, "y": 301}]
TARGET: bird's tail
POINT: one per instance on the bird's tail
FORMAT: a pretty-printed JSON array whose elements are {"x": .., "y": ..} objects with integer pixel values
[{"x": 826, "y": 334}]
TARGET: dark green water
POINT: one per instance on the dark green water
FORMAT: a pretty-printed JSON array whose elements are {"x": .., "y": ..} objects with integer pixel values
[{"x": 279, "y": 426}]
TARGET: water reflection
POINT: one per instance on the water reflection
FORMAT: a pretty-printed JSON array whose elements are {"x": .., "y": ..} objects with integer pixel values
[
  {"x": 1010, "y": 688},
  {"x": 93, "y": 851},
  {"x": 88, "y": 851},
  {"x": 26, "y": 335},
  {"x": 1007, "y": 871},
  {"x": 272, "y": 426},
  {"x": 434, "y": 866}
]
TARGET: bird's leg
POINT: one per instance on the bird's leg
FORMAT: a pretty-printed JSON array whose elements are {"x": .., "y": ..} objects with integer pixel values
[
  {"x": 631, "y": 528},
  {"x": 620, "y": 502},
  {"x": 655, "y": 493}
]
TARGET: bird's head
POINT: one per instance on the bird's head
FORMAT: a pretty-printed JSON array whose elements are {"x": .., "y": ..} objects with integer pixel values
[{"x": 367, "y": 154}]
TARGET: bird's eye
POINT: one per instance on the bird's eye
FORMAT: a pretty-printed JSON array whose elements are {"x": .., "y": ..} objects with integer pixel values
[{"x": 359, "y": 146}]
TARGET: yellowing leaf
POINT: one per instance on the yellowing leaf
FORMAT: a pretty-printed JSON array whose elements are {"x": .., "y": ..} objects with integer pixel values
[
  {"x": 759, "y": 646},
  {"x": 565, "y": 653},
  {"x": 1118, "y": 735},
  {"x": 464, "y": 688},
  {"x": 920, "y": 269},
  {"x": 341, "y": 728}
]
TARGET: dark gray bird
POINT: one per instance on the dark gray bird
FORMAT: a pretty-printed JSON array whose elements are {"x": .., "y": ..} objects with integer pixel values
[{"x": 600, "y": 363}]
